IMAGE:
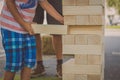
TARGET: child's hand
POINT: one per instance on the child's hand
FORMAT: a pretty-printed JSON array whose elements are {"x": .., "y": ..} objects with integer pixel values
[{"x": 28, "y": 28}]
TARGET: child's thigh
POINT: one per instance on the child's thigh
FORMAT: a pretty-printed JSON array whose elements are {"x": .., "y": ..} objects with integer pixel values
[
  {"x": 13, "y": 46},
  {"x": 20, "y": 50}
]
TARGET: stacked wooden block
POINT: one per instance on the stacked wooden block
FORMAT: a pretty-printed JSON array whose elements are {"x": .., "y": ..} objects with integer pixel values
[{"x": 85, "y": 20}]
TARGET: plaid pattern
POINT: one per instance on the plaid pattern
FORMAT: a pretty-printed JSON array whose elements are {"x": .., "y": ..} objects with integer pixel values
[{"x": 20, "y": 50}]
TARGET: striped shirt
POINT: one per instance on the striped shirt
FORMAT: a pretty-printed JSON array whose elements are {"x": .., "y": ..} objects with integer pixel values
[{"x": 26, "y": 8}]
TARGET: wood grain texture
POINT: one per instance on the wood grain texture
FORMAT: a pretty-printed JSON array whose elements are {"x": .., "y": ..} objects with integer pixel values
[
  {"x": 70, "y": 67},
  {"x": 95, "y": 60},
  {"x": 50, "y": 29},
  {"x": 82, "y": 10},
  {"x": 81, "y": 59},
  {"x": 98, "y": 30},
  {"x": 68, "y": 2},
  {"x": 68, "y": 39},
  {"x": 81, "y": 40},
  {"x": 97, "y": 2},
  {"x": 82, "y": 2}
]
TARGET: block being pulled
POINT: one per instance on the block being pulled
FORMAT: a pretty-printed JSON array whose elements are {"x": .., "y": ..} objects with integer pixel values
[{"x": 50, "y": 29}]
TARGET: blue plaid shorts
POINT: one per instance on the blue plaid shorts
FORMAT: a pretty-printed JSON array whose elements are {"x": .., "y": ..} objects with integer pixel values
[{"x": 20, "y": 50}]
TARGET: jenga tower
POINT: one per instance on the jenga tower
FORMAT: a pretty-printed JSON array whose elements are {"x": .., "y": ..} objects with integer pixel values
[{"x": 85, "y": 20}]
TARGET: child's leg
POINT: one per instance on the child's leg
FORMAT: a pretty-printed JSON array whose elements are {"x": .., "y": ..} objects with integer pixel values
[
  {"x": 9, "y": 75},
  {"x": 25, "y": 73}
]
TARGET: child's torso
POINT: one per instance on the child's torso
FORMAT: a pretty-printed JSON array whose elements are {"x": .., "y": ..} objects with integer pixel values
[{"x": 26, "y": 8}]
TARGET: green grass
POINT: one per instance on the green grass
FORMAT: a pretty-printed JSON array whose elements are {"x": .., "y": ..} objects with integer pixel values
[
  {"x": 113, "y": 27},
  {"x": 40, "y": 78}
]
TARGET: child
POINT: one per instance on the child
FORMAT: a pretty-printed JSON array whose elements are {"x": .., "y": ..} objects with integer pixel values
[{"x": 18, "y": 35}]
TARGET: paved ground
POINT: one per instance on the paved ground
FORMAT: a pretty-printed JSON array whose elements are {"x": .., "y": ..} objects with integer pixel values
[{"x": 112, "y": 54}]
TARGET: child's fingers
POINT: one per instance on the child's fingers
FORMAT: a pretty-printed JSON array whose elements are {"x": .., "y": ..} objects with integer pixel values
[{"x": 31, "y": 32}]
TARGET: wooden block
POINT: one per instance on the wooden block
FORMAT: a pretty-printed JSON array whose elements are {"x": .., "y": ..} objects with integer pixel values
[
  {"x": 97, "y": 2},
  {"x": 70, "y": 67},
  {"x": 98, "y": 30},
  {"x": 81, "y": 59},
  {"x": 82, "y": 10},
  {"x": 69, "y": 2},
  {"x": 50, "y": 29},
  {"x": 68, "y": 77},
  {"x": 76, "y": 20},
  {"x": 80, "y": 39},
  {"x": 96, "y": 20},
  {"x": 83, "y": 49},
  {"x": 82, "y": 20},
  {"x": 68, "y": 39},
  {"x": 94, "y": 77},
  {"x": 82, "y": 2},
  {"x": 80, "y": 77},
  {"x": 94, "y": 39},
  {"x": 69, "y": 20},
  {"x": 94, "y": 59}
]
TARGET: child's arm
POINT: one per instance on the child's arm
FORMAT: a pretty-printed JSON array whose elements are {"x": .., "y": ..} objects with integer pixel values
[
  {"x": 12, "y": 8},
  {"x": 49, "y": 8}
]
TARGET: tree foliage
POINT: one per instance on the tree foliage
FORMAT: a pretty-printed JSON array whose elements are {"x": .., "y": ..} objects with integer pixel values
[{"x": 114, "y": 3}]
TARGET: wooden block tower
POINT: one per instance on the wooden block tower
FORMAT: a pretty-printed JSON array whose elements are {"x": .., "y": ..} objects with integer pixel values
[{"x": 85, "y": 20}]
